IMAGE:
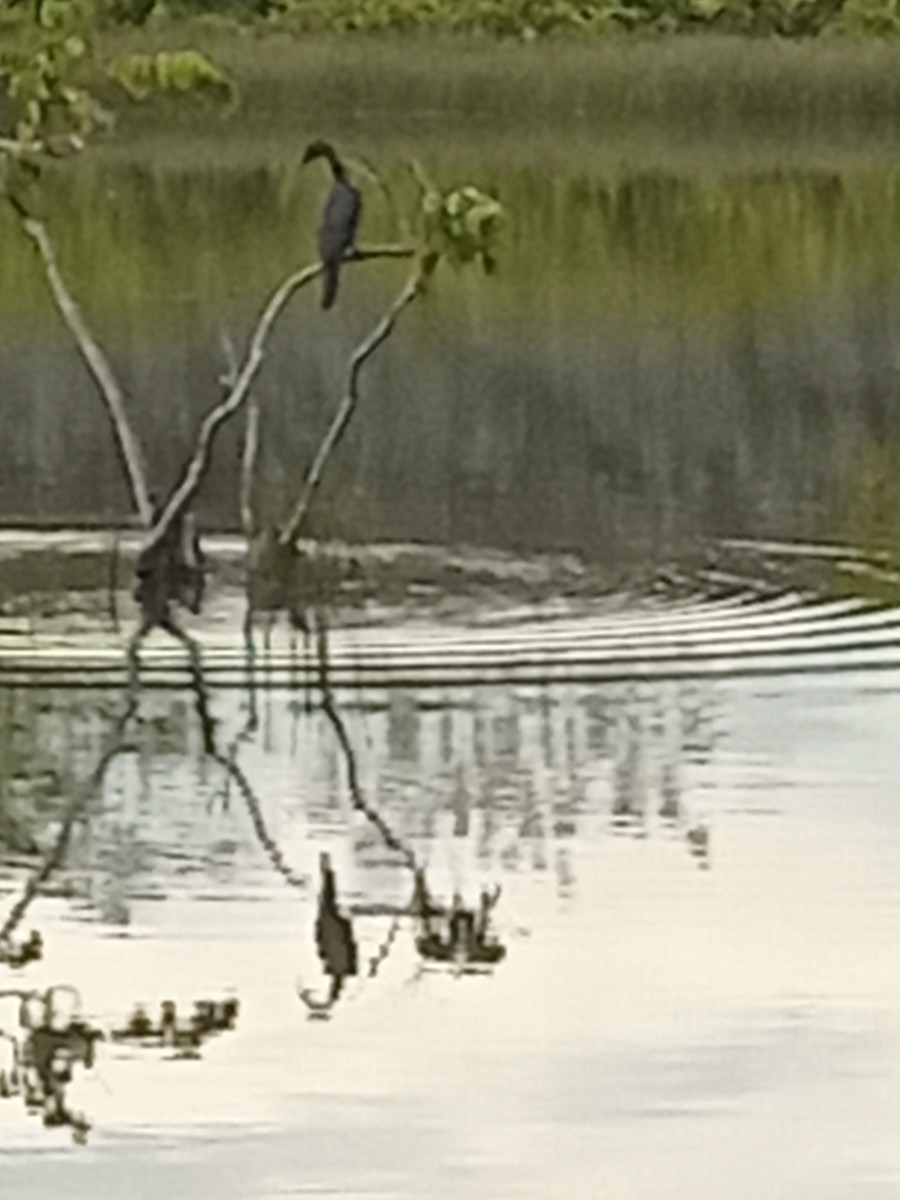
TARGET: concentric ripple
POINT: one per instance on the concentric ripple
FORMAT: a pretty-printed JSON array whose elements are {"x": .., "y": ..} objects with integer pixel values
[{"x": 614, "y": 639}]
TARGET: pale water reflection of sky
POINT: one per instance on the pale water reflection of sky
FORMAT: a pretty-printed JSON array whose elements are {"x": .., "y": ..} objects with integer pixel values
[{"x": 656, "y": 1030}]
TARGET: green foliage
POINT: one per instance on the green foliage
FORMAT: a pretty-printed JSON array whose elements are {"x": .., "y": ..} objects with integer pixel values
[
  {"x": 462, "y": 225},
  {"x": 179, "y": 71},
  {"x": 523, "y": 19},
  {"x": 49, "y": 75},
  {"x": 880, "y": 18},
  {"x": 528, "y": 19},
  {"x": 128, "y": 12},
  {"x": 236, "y": 9},
  {"x": 42, "y": 69}
]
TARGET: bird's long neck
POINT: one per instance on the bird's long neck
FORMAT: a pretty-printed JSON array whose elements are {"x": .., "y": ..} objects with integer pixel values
[{"x": 338, "y": 169}]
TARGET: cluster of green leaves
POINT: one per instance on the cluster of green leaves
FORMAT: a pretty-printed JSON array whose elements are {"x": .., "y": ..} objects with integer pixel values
[
  {"x": 462, "y": 225},
  {"x": 143, "y": 75},
  {"x": 880, "y": 18},
  {"x": 42, "y": 62},
  {"x": 515, "y": 18},
  {"x": 519, "y": 18},
  {"x": 532, "y": 18},
  {"x": 50, "y": 75}
]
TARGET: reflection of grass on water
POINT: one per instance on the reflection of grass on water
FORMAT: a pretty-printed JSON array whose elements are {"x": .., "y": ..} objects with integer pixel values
[
  {"x": 675, "y": 170},
  {"x": 184, "y": 249}
]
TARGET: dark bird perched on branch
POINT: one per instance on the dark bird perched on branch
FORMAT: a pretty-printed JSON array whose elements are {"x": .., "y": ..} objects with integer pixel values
[{"x": 340, "y": 218}]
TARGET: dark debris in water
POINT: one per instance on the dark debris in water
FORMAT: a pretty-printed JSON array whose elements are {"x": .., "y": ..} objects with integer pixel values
[
  {"x": 457, "y": 934},
  {"x": 52, "y": 1039},
  {"x": 19, "y": 953},
  {"x": 50, "y": 1042},
  {"x": 183, "y": 1035}
]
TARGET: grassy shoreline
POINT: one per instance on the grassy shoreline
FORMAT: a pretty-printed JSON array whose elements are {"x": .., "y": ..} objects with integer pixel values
[{"x": 677, "y": 95}]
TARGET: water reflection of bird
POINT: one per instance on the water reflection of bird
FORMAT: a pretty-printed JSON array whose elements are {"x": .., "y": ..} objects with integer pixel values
[
  {"x": 335, "y": 941},
  {"x": 334, "y": 932},
  {"x": 340, "y": 218}
]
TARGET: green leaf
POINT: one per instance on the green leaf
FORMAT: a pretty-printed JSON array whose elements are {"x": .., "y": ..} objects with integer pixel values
[{"x": 75, "y": 47}]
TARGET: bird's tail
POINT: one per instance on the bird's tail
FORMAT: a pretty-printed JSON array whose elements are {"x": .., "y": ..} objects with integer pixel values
[{"x": 330, "y": 283}]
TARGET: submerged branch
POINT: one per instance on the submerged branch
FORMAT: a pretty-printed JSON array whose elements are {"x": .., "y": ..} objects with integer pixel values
[
  {"x": 195, "y": 471},
  {"x": 97, "y": 364},
  {"x": 382, "y": 331}
]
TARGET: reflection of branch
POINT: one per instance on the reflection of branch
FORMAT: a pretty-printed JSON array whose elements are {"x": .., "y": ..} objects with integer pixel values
[
  {"x": 334, "y": 717},
  {"x": 98, "y": 365},
  {"x": 196, "y": 469},
  {"x": 57, "y": 852},
  {"x": 259, "y": 824},
  {"x": 384, "y": 949},
  {"x": 341, "y": 419},
  {"x": 228, "y": 763},
  {"x": 195, "y": 663}
]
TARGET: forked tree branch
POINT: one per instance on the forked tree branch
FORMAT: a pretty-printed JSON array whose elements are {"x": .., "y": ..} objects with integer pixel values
[
  {"x": 195, "y": 471},
  {"x": 382, "y": 331}
]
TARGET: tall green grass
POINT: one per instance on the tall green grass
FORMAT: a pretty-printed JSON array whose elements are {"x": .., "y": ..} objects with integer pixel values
[{"x": 626, "y": 100}]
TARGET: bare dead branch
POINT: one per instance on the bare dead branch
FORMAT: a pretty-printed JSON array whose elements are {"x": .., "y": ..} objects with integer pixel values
[
  {"x": 413, "y": 288},
  {"x": 251, "y": 437},
  {"x": 248, "y": 466},
  {"x": 195, "y": 471},
  {"x": 98, "y": 365}
]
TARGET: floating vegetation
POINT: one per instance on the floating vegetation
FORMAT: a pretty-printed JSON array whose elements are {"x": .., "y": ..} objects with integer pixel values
[{"x": 185, "y": 1036}]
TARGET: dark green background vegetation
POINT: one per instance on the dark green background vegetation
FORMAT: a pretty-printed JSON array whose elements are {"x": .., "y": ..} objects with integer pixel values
[{"x": 529, "y": 18}]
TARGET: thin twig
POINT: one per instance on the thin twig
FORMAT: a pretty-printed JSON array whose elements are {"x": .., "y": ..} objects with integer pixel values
[
  {"x": 196, "y": 469},
  {"x": 413, "y": 288},
  {"x": 97, "y": 363}
]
